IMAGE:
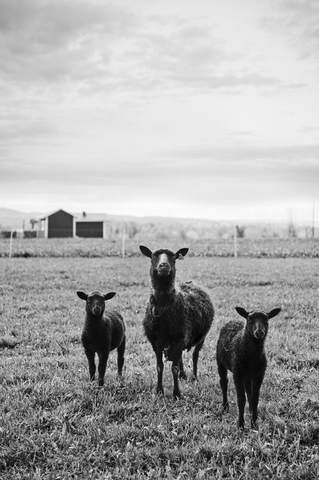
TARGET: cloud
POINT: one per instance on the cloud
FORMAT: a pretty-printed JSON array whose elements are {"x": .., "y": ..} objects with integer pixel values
[
  {"x": 298, "y": 20},
  {"x": 101, "y": 47},
  {"x": 288, "y": 166},
  {"x": 182, "y": 186},
  {"x": 44, "y": 41},
  {"x": 22, "y": 130},
  {"x": 156, "y": 103},
  {"x": 188, "y": 56},
  {"x": 190, "y": 172},
  {"x": 273, "y": 153}
]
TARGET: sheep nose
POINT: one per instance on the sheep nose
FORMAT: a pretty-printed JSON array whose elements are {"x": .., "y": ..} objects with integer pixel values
[
  {"x": 96, "y": 310},
  {"x": 164, "y": 269},
  {"x": 164, "y": 266},
  {"x": 259, "y": 334}
]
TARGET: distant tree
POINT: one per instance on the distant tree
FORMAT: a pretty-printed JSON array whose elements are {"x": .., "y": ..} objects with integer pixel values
[
  {"x": 292, "y": 232},
  {"x": 33, "y": 222},
  {"x": 132, "y": 229},
  {"x": 183, "y": 235},
  {"x": 240, "y": 231}
]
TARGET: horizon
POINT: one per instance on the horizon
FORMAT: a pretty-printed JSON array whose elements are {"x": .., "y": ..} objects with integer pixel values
[{"x": 290, "y": 219}]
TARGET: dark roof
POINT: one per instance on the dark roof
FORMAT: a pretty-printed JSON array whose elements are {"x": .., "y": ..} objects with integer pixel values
[
  {"x": 56, "y": 211},
  {"x": 92, "y": 217},
  {"x": 79, "y": 217}
]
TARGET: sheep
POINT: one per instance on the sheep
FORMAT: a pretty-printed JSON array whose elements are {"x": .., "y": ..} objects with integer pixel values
[
  {"x": 240, "y": 349},
  {"x": 103, "y": 331},
  {"x": 176, "y": 317}
]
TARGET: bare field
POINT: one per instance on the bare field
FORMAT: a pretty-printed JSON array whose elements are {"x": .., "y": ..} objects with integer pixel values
[{"x": 58, "y": 425}]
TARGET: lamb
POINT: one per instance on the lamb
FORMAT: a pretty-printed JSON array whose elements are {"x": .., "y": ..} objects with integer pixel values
[
  {"x": 103, "y": 331},
  {"x": 176, "y": 318},
  {"x": 240, "y": 349}
]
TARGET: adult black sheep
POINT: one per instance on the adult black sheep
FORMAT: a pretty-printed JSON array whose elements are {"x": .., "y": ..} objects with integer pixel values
[{"x": 177, "y": 318}]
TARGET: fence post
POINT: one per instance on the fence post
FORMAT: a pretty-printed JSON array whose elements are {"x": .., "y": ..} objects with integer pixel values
[
  {"x": 235, "y": 241},
  {"x": 10, "y": 244},
  {"x": 313, "y": 217},
  {"x": 123, "y": 242}
]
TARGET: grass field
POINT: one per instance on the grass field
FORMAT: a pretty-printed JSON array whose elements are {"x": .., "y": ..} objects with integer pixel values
[{"x": 55, "y": 424}]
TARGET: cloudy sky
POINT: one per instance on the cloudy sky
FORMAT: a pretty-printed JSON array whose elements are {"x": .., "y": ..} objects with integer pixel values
[{"x": 205, "y": 109}]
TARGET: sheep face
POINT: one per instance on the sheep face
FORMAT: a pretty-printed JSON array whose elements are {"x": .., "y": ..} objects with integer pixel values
[
  {"x": 163, "y": 261},
  {"x": 95, "y": 301},
  {"x": 257, "y": 322}
]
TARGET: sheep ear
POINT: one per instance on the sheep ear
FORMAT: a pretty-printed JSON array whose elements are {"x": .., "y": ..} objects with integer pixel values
[
  {"x": 242, "y": 312},
  {"x": 109, "y": 295},
  {"x": 146, "y": 251},
  {"x": 82, "y": 295},
  {"x": 273, "y": 312},
  {"x": 180, "y": 254}
]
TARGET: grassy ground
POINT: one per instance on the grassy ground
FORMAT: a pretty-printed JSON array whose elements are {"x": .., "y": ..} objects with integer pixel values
[{"x": 55, "y": 424}]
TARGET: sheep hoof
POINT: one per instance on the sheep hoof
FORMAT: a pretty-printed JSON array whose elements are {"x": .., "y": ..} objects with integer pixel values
[
  {"x": 182, "y": 375},
  {"x": 226, "y": 408},
  {"x": 177, "y": 395}
]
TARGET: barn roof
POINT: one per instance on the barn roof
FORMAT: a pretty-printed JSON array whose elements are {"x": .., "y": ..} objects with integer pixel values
[
  {"x": 91, "y": 217},
  {"x": 56, "y": 211},
  {"x": 82, "y": 217}
]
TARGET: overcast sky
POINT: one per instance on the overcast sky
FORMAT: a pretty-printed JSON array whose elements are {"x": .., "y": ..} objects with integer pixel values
[{"x": 202, "y": 108}]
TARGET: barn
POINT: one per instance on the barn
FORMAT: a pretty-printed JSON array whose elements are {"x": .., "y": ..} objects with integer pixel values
[
  {"x": 58, "y": 224},
  {"x": 91, "y": 226}
]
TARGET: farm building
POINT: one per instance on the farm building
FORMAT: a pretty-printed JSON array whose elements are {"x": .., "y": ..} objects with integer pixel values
[
  {"x": 63, "y": 224},
  {"x": 58, "y": 224},
  {"x": 91, "y": 225}
]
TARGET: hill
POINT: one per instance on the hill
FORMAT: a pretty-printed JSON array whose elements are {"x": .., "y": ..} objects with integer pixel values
[{"x": 14, "y": 219}]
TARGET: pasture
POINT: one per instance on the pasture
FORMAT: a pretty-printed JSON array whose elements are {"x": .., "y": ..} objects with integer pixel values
[{"x": 56, "y": 424}]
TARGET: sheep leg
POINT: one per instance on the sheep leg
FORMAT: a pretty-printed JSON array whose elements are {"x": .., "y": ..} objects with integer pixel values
[
  {"x": 223, "y": 380},
  {"x": 248, "y": 392},
  {"x": 256, "y": 384},
  {"x": 197, "y": 349},
  {"x": 160, "y": 368},
  {"x": 120, "y": 356},
  {"x": 177, "y": 357},
  {"x": 241, "y": 400},
  {"x": 182, "y": 373},
  {"x": 90, "y": 356},
  {"x": 103, "y": 356}
]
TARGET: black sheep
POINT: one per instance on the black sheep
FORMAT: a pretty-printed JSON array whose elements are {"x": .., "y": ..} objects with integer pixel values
[
  {"x": 103, "y": 331},
  {"x": 240, "y": 349},
  {"x": 177, "y": 317}
]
